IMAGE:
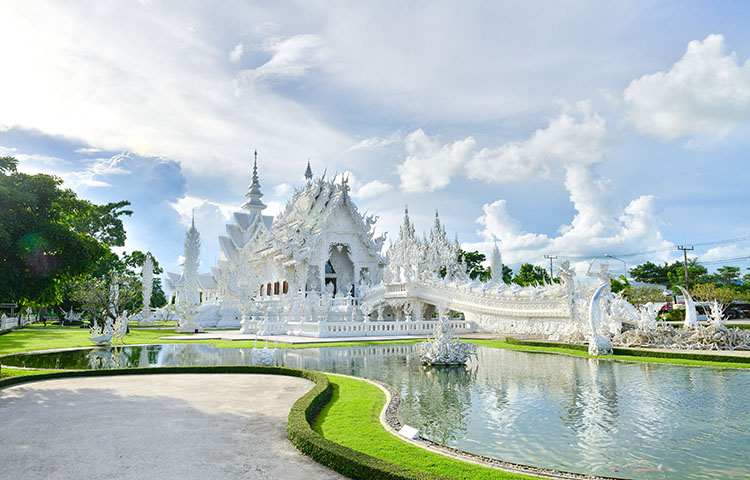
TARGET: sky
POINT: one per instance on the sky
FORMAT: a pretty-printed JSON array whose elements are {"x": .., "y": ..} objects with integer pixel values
[{"x": 572, "y": 129}]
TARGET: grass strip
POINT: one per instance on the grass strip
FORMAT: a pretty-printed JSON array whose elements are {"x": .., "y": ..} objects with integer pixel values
[
  {"x": 17, "y": 372},
  {"x": 622, "y": 354},
  {"x": 28, "y": 340},
  {"x": 352, "y": 419}
]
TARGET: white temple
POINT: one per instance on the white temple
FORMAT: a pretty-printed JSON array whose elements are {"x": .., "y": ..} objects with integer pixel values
[{"x": 317, "y": 270}]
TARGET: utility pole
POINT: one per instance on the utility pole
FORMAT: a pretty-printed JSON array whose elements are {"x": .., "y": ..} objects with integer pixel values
[
  {"x": 684, "y": 251},
  {"x": 550, "y": 257}
]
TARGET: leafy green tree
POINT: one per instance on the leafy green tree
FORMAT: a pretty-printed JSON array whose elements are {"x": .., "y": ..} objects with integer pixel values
[
  {"x": 474, "y": 265},
  {"x": 530, "y": 274},
  {"x": 619, "y": 285},
  {"x": 727, "y": 274},
  {"x": 642, "y": 294},
  {"x": 507, "y": 274},
  {"x": 670, "y": 274},
  {"x": 48, "y": 236}
]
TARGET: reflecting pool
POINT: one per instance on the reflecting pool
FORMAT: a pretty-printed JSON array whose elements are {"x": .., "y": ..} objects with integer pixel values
[{"x": 575, "y": 414}]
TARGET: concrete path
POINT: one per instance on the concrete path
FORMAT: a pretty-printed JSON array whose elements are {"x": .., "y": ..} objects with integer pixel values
[{"x": 153, "y": 426}]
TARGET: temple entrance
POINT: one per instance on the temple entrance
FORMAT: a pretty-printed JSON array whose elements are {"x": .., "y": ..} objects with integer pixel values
[{"x": 339, "y": 269}]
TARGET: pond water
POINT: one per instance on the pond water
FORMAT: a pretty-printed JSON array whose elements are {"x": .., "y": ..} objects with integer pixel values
[{"x": 575, "y": 414}]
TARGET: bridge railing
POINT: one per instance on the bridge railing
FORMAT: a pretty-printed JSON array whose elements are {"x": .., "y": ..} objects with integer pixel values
[{"x": 353, "y": 329}]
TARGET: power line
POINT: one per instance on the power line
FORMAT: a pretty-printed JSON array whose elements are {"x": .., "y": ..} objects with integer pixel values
[
  {"x": 724, "y": 260},
  {"x": 660, "y": 250}
]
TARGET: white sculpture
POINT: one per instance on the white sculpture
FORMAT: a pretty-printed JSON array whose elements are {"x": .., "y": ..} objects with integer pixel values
[
  {"x": 190, "y": 294},
  {"x": 187, "y": 314},
  {"x": 691, "y": 315},
  {"x": 264, "y": 356},
  {"x": 598, "y": 344},
  {"x": 71, "y": 316},
  {"x": 147, "y": 280},
  {"x": 102, "y": 335},
  {"x": 444, "y": 348}
]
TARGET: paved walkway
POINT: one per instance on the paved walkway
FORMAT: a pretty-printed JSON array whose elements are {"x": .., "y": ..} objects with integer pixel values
[{"x": 153, "y": 426}]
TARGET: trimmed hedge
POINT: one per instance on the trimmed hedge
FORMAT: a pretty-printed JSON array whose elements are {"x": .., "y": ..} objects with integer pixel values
[
  {"x": 631, "y": 352},
  {"x": 344, "y": 460}
]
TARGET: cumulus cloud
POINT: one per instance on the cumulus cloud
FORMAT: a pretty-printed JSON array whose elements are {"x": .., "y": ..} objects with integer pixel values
[
  {"x": 706, "y": 93},
  {"x": 725, "y": 252},
  {"x": 597, "y": 227},
  {"x": 236, "y": 54},
  {"x": 369, "y": 189},
  {"x": 576, "y": 136}
]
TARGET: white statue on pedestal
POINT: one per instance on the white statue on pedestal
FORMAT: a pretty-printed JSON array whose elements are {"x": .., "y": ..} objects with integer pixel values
[{"x": 147, "y": 280}]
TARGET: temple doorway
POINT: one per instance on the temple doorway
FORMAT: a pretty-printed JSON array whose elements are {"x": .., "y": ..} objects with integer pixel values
[{"x": 339, "y": 269}]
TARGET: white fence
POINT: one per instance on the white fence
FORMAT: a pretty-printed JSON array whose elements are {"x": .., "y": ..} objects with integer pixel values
[
  {"x": 8, "y": 322},
  {"x": 353, "y": 329}
]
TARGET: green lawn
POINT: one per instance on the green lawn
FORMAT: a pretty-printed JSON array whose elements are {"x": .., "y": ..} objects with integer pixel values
[
  {"x": 25, "y": 340},
  {"x": 351, "y": 419},
  {"x": 626, "y": 358},
  {"x": 18, "y": 372}
]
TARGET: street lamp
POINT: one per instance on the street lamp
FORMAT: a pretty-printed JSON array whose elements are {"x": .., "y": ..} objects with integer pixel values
[{"x": 624, "y": 265}]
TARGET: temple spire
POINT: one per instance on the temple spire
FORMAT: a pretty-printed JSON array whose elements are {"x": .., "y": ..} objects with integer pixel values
[
  {"x": 254, "y": 194},
  {"x": 308, "y": 172}
]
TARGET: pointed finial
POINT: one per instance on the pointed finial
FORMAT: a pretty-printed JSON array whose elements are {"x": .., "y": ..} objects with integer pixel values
[
  {"x": 193, "y": 218},
  {"x": 254, "y": 194},
  {"x": 308, "y": 172},
  {"x": 406, "y": 209}
]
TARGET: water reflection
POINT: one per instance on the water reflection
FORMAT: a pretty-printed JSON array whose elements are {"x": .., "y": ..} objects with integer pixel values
[{"x": 585, "y": 415}]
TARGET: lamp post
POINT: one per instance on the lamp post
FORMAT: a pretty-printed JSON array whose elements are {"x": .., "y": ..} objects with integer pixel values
[{"x": 624, "y": 265}]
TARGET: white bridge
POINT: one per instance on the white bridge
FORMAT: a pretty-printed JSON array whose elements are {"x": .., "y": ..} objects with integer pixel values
[
  {"x": 410, "y": 308},
  {"x": 485, "y": 306}
]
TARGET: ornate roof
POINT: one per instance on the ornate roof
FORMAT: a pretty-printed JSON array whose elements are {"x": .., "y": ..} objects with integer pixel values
[{"x": 296, "y": 231}]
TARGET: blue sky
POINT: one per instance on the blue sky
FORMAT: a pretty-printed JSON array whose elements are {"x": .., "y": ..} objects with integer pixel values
[{"x": 573, "y": 129}]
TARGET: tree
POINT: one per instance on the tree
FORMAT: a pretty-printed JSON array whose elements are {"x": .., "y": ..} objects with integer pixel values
[
  {"x": 708, "y": 292},
  {"x": 474, "y": 265},
  {"x": 619, "y": 285},
  {"x": 507, "y": 274},
  {"x": 642, "y": 294},
  {"x": 670, "y": 274},
  {"x": 107, "y": 297},
  {"x": 530, "y": 274},
  {"x": 727, "y": 275},
  {"x": 48, "y": 236}
]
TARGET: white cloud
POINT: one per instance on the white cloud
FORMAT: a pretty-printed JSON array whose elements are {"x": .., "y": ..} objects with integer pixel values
[
  {"x": 706, "y": 94},
  {"x": 236, "y": 54},
  {"x": 203, "y": 208},
  {"x": 167, "y": 91},
  {"x": 724, "y": 252},
  {"x": 282, "y": 189},
  {"x": 370, "y": 189},
  {"x": 292, "y": 58},
  {"x": 429, "y": 164},
  {"x": 576, "y": 136},
  {"x": 596, "y": 229},
  {"x": 88, "y": 151},
  {"x": 373, "y": 143}
]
